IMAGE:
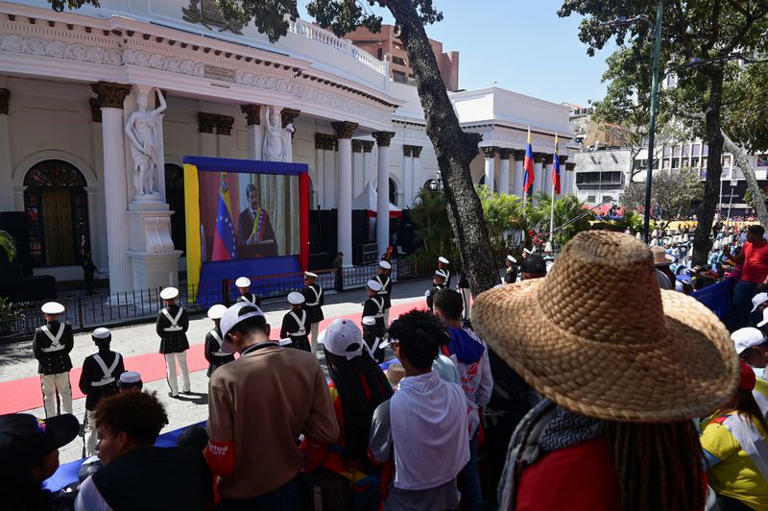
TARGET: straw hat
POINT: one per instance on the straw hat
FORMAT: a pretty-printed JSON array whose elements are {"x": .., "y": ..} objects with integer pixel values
[
  {"x": 660, "y": 257},
  {"x": 599, "y": 338}
]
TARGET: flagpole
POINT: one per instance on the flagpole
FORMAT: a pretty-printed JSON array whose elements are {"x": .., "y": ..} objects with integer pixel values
[{"x": 552, "y": 201}]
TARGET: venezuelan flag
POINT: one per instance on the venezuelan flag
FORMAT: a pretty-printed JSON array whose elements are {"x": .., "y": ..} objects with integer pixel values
[
  {"x": 556, "y": 170},
  {"x": 528, "y": 175},
  {"x": 224, "y": 236}
]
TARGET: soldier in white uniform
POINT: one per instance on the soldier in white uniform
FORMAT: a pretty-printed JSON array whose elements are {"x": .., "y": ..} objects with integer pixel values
[
  {"x": 213, "y": 341},
  {"x": 99, "y": 379},
  {"x": 385, "y": 279},
  {"x": 295, "y": 324},
  {"x": 314, "y": 299},
  {"x": 51, "y": 345},
  {"x": 243, "y": 285},
  {"x": 171, "y": 325}
]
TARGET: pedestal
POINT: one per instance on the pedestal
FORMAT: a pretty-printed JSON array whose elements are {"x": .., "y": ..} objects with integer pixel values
[{"x": 154, "y": 262}]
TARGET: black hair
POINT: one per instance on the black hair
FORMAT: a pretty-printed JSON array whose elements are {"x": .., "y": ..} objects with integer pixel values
[
  {"x": 449, "y": 302},
  {"x": 250, "y": 188},
  {"x": 250, "y": 325},
  {"x": 420, "y": 336},
  {"x": 137, "y": 414},
  {"x": 756, "y": 229},
  {"x": 194, "y": 437},
  {"x": 534, "y": 265}
]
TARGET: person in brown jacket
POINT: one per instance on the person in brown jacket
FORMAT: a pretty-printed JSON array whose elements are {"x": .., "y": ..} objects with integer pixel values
[{"x": 258, "y": 406}]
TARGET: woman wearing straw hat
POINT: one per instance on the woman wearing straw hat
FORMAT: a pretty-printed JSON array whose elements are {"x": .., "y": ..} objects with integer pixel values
[{"x": 623, "y": 368}]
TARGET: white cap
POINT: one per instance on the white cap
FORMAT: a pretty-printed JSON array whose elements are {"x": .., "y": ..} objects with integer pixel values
[
  {"x": 443, "y": 260},
  {"x": 52, "y": 308},
  {"x": 101, "y": 333},
  {"x": 745, "y": 338},
  {"x": 511, "y": 259},
  {"x": 440, "y": 273},
  {"x": 758, "y": 300},
  {"x": 285, "y": 342},
  {"x": 385, "y": 265},
  {"x": 310, "y": 275},
  {"x": 243, "y": 282},
  {"x": 232, "y": 316},
  {"x": 369, "y": 320},
  {"x": 295, "y": 298},
  {"x": 343, "y": 338},
  {"x": 373, "y": 285},
  {"x": 765, "y": 319},
  {"x": 548, "y": 247},
  {"x": 169, "y": 293},
  {"x": 129, "y": 377},
  {"x": 216, "y": 311}
]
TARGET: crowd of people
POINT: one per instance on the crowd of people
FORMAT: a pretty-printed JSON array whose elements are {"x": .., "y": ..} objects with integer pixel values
[{"x": 587, "y": 383}]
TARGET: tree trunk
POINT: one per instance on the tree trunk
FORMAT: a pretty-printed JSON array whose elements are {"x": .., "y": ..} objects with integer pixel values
[
  {"x": 714, "y": 138},
  {"x": 454, "y": 149},
  {"x": 749, "y": 174}
]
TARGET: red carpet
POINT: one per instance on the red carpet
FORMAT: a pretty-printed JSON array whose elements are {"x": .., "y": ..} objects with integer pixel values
[{"x": 25, "y": 393}]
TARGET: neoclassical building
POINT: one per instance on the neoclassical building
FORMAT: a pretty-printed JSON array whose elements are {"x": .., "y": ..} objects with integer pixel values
[{"x": 69, "y": 83}]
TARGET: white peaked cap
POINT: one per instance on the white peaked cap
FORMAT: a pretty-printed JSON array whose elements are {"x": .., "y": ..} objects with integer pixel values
[
  {"x": 243, "y": 282},
  {"x": 443, "y": 260},
  {"x": 385, "y": 265},
  {"x": 369, "y": 320},
  {"x": 373, "y": 285},
  {"x": 511, "y": 259},
  {"x": 216, "y": 311},
  {"x": 169, "y": 293},
  {"x": 52, "y": 308},
  {"x": 295, "y": 298},
  {"x": 130, "y": 377},
  {"x": 101, "y": 333},
  {"x": 310, "y": 275}
]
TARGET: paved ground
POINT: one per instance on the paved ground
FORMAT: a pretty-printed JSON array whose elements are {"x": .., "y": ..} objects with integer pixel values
[{"x": 20, "y": 387}]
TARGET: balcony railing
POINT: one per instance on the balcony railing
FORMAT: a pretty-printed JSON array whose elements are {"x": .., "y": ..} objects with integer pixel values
[{"x": 344, "y": 46}]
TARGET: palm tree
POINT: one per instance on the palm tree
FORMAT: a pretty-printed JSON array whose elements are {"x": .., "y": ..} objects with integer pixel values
[{"x": 8, "y": 244}]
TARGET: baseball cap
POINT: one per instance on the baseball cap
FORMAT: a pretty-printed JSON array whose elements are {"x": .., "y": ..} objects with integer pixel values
[
  {"x": 533, "y": 263},
  {"x": 758, "y": 300},
  {"x": 343, "y": 339},
  {"x": 237, "y": 313},
  {"x": 746, "y": 338},
  {"x": 25, "y": 438}
]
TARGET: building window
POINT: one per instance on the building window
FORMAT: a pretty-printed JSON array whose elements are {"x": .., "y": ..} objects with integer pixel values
[
  {"x": 399, "y": 77},
  {"x": 174, "y": 195},
  {"x": 591, "y": 199},
  {"x": 586, "y": 179},
  {"x": 398, "y": 60},
  {"x": 380, "y": 53},
  {"x": 56, "y": 206}
]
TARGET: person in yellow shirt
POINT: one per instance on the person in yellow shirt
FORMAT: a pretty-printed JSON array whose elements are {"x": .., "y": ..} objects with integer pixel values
[
  {"x": 752, "y": 348},
  {"x": 735, "y": 443}
]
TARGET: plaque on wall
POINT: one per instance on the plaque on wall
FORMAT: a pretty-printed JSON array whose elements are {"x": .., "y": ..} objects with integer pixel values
[
  {"x": 219, "y": 73},
  {"x": 207, "y": 14}
]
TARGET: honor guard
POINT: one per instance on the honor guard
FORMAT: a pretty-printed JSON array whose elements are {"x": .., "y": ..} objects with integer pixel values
[
  {"x": 243, "y": 285},
  {"x": 172, "y": 324},
  {"x": 442, "y": 265},
  {"x": 101, "y": 372},
  {"x": 384, "y": 278},
  {"x": 374, "y": 306},
  {"x": 213, "y": 341},
  {"x": 510, "y": 275},
  {"x": 51, "y": 345},
  {"x": 296, "y": 323},
  {"x": 373, "y": 338},
  {"x": 314, "y": 299},
  {"x": 438, "y": 283}
]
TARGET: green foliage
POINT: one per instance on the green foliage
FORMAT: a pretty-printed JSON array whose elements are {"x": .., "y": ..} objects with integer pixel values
[
  {"x": 8, "y": 244},
  {"x": 502, "y": 214},
  {"x": 747, "y": 108},
  {"x": 59, "y": 5},
  {"x": 430, "y": 216},
  {"x": 9, "y": 314},
  {"x": 674, "y": 191}
]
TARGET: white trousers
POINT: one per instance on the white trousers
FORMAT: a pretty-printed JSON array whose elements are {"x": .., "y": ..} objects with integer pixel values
[
  {"x": 52, "y": 383},
  {"x": 170, "y": 371},
  {"x": 386, "y": 318},
  {"x": 466, "y": 294},
  {"x": 313, "y": 331},
  {"x": 93, "y": 437}
]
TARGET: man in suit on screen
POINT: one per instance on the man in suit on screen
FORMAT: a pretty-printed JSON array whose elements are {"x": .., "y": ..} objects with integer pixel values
[{"x": 255, "y": 235}]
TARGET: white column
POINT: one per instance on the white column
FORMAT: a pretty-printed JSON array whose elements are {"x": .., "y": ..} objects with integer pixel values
[
  {"x": 408, "y": 194},
  {"x": 547, "y": 183},
  {"x": 504, "y": 154},
  {"x": 382, "y": 197},
  {"x": 6, "y": 171},
  {"x": 344, "y": 132},
  {"x": 254, "y": 130},
  {"x": 111, "y": 98},
  {"x": 538, "y": 171},
  {"x": 367, "y": 162},
  {"x": 358, "y": 178},
  {"x": 416, "y": 181},
  {"x": 490, "y": 160},
  {"x": 518, "y": 180},
  {"x": 97, "y": 216}
]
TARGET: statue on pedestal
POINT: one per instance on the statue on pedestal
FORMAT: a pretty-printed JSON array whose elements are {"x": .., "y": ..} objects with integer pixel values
[
  {"x": 274, "y": 148},
  {"x": 141, "y": 130}
]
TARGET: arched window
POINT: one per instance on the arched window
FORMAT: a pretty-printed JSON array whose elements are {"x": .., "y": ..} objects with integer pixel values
[
  {"x": 392, "y": 192},
  {"x": 174, "y": 195},
  {"x": 56, "y": 206}
]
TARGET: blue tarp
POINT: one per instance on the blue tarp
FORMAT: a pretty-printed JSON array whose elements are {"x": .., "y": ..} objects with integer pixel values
[{"x": 717, "y": 298}]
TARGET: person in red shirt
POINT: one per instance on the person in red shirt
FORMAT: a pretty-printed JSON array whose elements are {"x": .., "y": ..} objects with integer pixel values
[
  {"x": 620, "y": 384},
  {"x": 754, "y": 275}
]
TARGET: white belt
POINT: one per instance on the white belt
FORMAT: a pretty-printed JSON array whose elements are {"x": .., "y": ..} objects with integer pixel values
[
  {"x": 172, "y": 329},
  {"x": 300, "y": 333},
  {"x": 102, "y": 382},
  {"x": 222, "y": 354},
  {"x": 53, "y": 348}
]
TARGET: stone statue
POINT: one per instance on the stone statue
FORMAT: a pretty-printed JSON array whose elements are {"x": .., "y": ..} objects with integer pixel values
[
  {"x": 141, "y": 130},
  {"x": 274, "y": 141}
]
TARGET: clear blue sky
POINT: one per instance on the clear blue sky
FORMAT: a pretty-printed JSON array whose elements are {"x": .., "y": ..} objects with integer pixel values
[{"x": 522, "y": 45}]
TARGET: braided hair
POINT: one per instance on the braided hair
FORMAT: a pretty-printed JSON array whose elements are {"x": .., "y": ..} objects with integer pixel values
[
  {"x": 420, "y": 335},
  {"x": 362, "y": 386},
  {"x": 659, "y": 466}
]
